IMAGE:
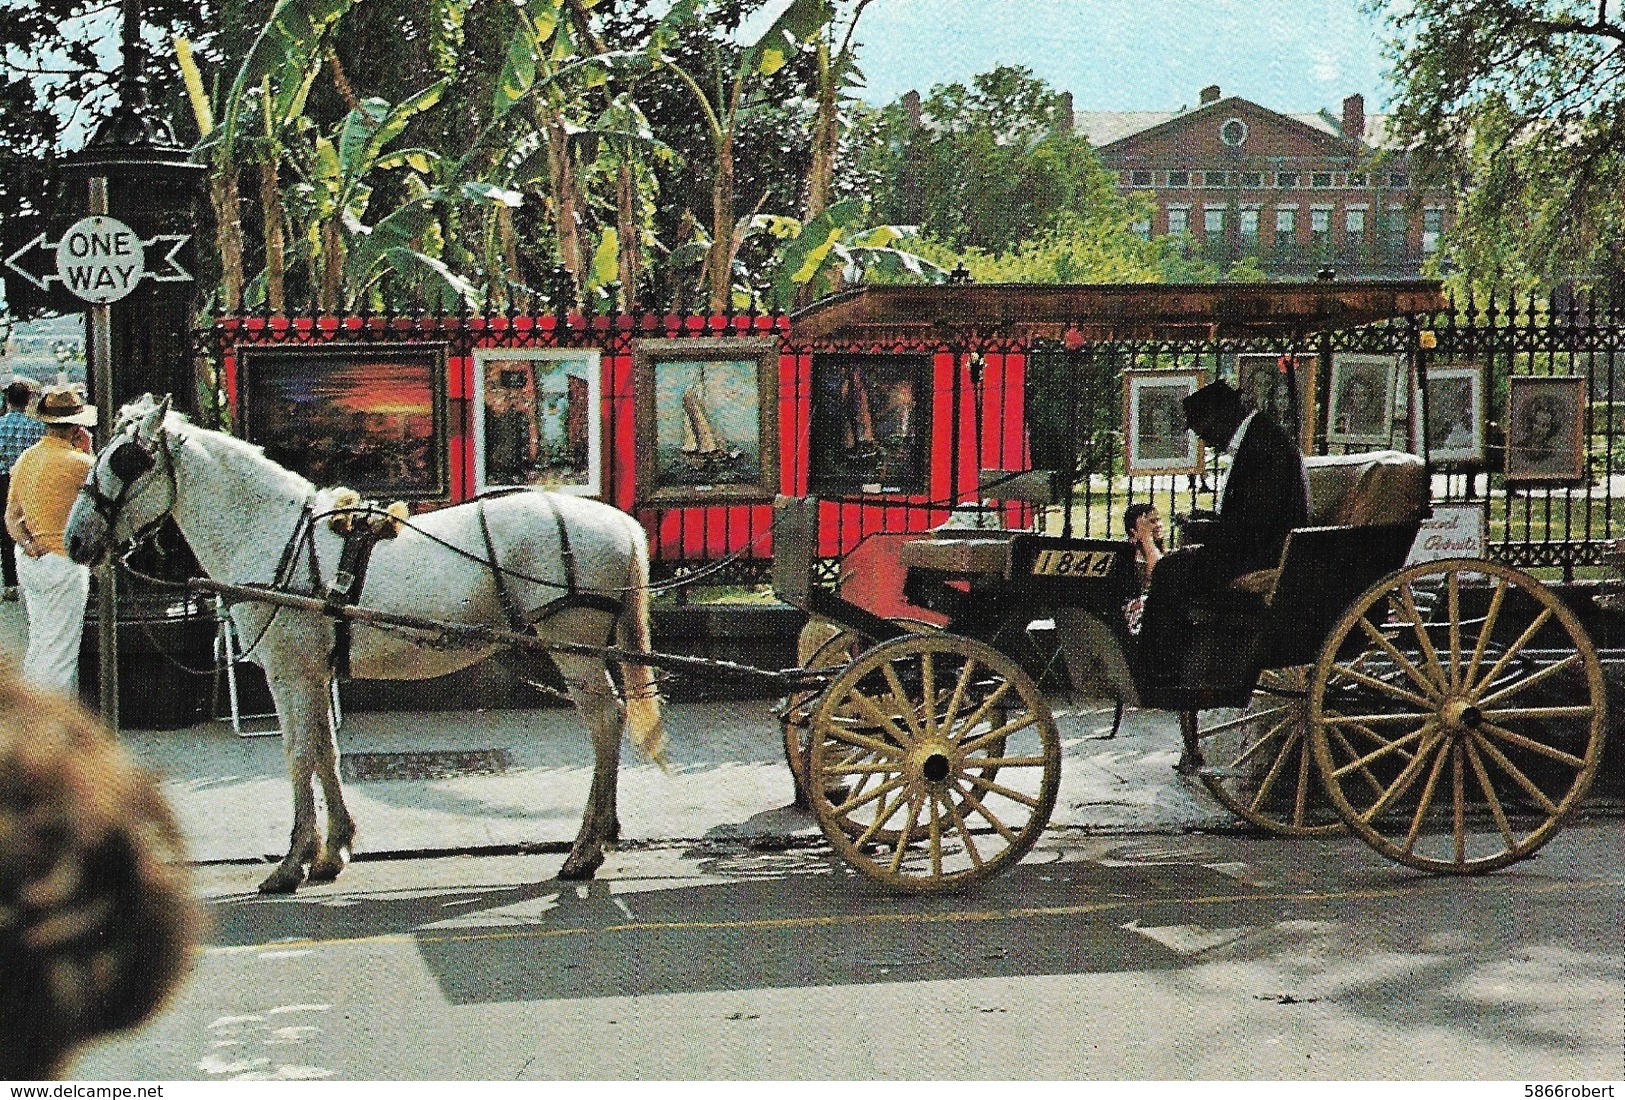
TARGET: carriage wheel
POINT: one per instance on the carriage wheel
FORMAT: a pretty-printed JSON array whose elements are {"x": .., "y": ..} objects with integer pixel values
[
  {"x": 945, "y": 759},
  {"x": 1457, "y": 716},
  {"x": 840, "y": 648},
  {"x": 1258, "y": 762}
]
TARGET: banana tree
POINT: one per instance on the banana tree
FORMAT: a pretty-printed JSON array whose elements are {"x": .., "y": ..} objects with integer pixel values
[
  {"x": 799, "y": 23},
  {"x": 337, "y": 170},
  {"x": 274, "y": 79},
  {"x": 837, "y": 73},
  {"x": 838, "y": 247}
]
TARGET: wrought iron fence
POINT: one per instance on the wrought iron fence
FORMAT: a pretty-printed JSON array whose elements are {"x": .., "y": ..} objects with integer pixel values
[{"x": 1012, "y": 402}]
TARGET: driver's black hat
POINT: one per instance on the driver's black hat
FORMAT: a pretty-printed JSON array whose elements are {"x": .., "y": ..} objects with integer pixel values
[{"x": 1214, "y": 399}]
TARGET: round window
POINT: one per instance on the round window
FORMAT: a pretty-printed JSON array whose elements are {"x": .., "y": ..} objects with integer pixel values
[{"x": 1233, "y": 131}]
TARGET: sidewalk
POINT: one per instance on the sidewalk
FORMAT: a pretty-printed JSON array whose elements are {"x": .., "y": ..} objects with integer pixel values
[{"x": 520, "y": 777}]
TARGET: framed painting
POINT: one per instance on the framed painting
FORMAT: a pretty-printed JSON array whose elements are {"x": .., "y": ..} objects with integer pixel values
[
  {"x": 1156, "y": 440},
  {"x": 370, "y": 417},
  {"x": 1262, "y": 382},
  {"x": 1545, "y": 426},
  {"x": 871, "y": 424},
  {"x": 1455, "y": 413},
  {"x": 538, "y": 419},
  {"x": 707, "y": 421},
  {"x": 1361, "y": 406}
]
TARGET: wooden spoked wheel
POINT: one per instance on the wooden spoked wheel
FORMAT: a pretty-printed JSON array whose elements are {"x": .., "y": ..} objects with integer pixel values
[
  {"x": 840, "y": 647},
  {"x": 1457, "y": 716},
  {"x": 934, "y": 762},
  {"x": 1258, "y": 761}
]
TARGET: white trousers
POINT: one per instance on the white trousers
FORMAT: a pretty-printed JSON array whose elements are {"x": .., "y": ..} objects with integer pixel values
[{"x": 54, "y": 592}]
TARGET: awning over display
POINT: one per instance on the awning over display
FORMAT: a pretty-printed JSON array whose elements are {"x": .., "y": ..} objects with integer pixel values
[{"x": 1118, "y": 311}]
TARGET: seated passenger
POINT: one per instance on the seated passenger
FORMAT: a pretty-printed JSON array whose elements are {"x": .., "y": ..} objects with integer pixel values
[
  {"x": 1143, "y": 525},
  {"x": 1264, "y": 497}
]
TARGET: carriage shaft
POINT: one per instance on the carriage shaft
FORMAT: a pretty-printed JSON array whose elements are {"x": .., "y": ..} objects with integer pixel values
[{"x": 785, "y": 680}]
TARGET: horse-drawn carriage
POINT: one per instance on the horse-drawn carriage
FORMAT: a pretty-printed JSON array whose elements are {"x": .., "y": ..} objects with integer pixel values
[{"x": 1450, "y": 713}]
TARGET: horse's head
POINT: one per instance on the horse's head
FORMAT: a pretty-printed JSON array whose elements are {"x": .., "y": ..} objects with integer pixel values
[{"x": 131, "y": 488}]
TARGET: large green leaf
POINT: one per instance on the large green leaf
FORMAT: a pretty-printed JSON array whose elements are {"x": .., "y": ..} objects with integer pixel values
[
  {"x": 796, "y": 25},
  {"x": 481, "y": 191},
  {"x": 606, "y": 260},
  {"x": 355, "y": 133},
  {"x": 414, "y": 264},
  {"x": 519, "y": 71},
  {"x": 287, "y": 50}
]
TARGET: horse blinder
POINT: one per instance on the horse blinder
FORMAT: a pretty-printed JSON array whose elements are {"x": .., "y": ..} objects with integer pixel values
[{"x": 129, "y": 461}]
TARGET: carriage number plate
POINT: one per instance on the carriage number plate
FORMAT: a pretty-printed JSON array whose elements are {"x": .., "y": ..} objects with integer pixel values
[{"x": 1073, "y": 563}]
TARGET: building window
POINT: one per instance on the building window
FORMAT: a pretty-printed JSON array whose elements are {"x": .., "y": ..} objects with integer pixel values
[
  {"x": 1179, "y": 179},
  {"x": 1142, "y": 228},
  {"x": 1321, "y": 180},
  {"x": 1248, "y": 225},
  {"x": 1286, "y": 224},
  {"x": 1358, "y": 179},
  {"x": 1286, "y": 179},
  {"x": 1250, "y": 179},
  {"x": 1354, "y": 226},
  {"x": 1139, "y": 179},
  {"x": 1213, "y": 221},
  {"x": 1432, "y": 227},
  {"x": 1233, "y": 132},
  {"x": 1395, "y": 229},
  {"x": 1179, "y": 220},
  {"x": 1215, "y": 179},
  {"x": 1398, "y": 180},
  {"x": 1320, "y": 221}
]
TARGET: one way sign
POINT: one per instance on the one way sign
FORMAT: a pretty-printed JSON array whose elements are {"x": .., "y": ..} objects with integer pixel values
[{"x": 100, "y": 260}]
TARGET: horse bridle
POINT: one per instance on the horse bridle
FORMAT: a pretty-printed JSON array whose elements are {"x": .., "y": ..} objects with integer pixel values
[{"x": 129, "y": 461}]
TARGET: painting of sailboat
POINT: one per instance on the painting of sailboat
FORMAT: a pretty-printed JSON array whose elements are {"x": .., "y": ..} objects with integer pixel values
[{"x": 707, "y": 425}]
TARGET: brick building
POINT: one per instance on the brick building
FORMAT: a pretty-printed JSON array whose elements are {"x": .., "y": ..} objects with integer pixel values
[{"x": 1301, "y": 192}]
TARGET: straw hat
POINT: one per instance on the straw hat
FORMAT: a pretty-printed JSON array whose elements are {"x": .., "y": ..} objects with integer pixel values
[{"x": 63, "y": 405}]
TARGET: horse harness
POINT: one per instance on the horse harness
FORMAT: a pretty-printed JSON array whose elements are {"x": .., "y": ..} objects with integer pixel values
[{"x": 368, "y": 525}]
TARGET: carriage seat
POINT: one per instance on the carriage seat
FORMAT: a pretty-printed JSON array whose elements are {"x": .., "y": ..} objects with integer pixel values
[{"x": 1355, "y": 490}]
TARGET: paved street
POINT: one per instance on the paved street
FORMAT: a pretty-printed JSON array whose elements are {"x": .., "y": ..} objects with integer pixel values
[{"x": 1139, "y": 957}]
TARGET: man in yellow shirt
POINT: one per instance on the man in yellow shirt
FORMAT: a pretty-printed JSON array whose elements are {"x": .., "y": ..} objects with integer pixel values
[{"x": 44, "y": 481}]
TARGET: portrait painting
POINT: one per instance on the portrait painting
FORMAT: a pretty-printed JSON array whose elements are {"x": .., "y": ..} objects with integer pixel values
[
  {"x": 871, "y": 423},
  {"x": 1156, "y": 440},
  {"x": 1264, "y": 385},
  {"x": 1545, "y": 428},
  {"x": 369, "y": 417},
  {"x": 1455, "y": 413},
  {"x": 538, "y": 418},
  {"x": 1361, "y": 402},
  {"x": 707, "y": 419}
]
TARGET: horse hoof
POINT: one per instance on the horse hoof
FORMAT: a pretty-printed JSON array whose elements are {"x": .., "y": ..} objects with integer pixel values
[
  {"x": 575, "y": 870},
  {"x": 326, "y": 871},
  {"x": 280, "y": 884}
]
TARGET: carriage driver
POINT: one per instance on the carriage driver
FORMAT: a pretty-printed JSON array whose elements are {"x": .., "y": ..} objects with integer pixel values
[{"x": 1265, "y": 495}]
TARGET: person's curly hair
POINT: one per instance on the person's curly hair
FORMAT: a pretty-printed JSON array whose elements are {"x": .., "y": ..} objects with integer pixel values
[{"x": 97, "y": 916}]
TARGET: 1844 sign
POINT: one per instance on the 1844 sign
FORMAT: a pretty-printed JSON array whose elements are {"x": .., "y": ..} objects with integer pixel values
[{"x": 100, "y": 260}]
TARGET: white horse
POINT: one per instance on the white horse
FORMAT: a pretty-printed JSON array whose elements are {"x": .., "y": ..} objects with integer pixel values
[{"x": 247, "y": 518}]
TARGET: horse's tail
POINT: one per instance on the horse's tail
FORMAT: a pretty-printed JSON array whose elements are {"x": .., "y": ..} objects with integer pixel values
[{"x": 642, "y": 693}]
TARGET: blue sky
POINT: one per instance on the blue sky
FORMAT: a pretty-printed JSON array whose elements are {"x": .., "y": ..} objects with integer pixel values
[{"x": 1293, "y": 55}]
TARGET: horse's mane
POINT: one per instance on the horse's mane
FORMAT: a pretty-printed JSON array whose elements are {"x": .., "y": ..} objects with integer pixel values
[{"x": 183, "y": 428}]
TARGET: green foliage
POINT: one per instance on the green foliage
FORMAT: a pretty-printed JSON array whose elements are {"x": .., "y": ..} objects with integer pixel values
[
  {"x": 837, "y": 246},
  {"x": 1521, "y": 105},
  {"x": 991, "y": 166}
]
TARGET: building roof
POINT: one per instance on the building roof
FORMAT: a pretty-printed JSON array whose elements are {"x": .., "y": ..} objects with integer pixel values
[{"x": 1107, "y": 127}]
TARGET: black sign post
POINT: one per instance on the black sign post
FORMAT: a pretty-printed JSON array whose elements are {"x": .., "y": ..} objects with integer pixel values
[{"x": 130, "y": 261}]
